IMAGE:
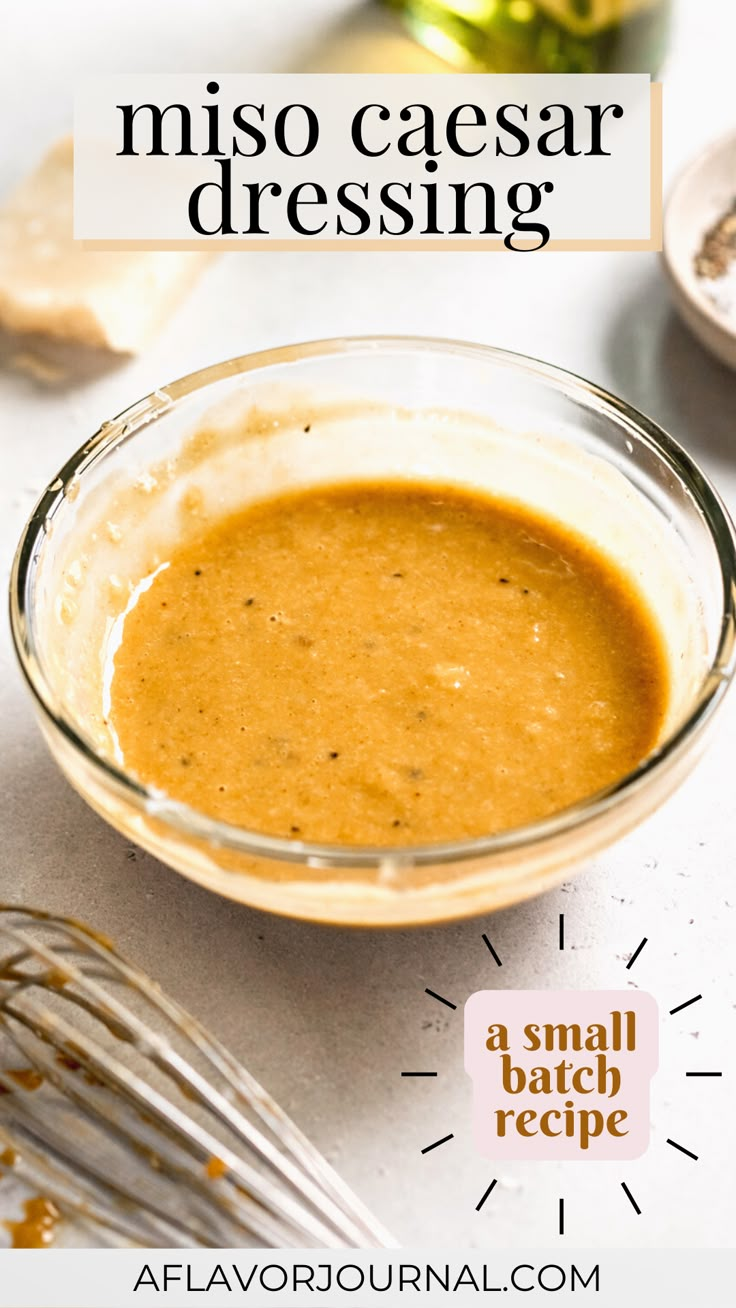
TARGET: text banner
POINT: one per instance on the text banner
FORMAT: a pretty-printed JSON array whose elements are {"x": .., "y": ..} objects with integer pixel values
[{"x": 336, "y": 161}]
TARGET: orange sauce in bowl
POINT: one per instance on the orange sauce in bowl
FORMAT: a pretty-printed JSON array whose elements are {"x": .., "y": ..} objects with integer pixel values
[{"x": 386, "y": 664}]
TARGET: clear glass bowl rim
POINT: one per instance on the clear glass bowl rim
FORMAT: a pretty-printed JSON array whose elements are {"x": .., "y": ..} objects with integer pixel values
[{"x": 189, "y": 821}]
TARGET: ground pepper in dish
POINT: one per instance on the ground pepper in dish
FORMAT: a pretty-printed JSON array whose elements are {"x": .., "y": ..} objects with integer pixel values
[
  {"x": 386, "y": 664},
  {"x": 715, "y": 263}
]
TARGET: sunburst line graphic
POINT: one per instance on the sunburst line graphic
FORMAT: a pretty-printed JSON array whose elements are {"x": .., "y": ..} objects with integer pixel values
[{"x": 445, "y": 1139}]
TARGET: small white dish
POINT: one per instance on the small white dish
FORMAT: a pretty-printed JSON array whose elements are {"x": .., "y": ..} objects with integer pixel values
[{"x": 702, "y": 194}]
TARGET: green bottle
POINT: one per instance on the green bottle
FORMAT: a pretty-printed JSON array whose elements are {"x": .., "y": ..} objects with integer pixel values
[{"x": 542, "y": 36}]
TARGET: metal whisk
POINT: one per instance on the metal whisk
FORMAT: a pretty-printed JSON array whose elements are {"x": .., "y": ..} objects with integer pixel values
[{"x": 140, "y": 1120}]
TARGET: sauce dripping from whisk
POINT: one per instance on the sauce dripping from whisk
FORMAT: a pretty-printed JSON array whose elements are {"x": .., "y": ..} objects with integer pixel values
[
  {"x": 37, "y": 1228},
  {"x": 26, "y": 1077},
  {"x": 72, "y": 1064}
]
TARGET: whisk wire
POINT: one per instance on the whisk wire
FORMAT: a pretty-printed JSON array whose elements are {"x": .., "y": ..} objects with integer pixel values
[
  {"x": 178, "y": 1125},
  {"x": 265, "y": 1182},
  {"x": 174, "y": 1124},
  {"x": 125, "y": 1026}
]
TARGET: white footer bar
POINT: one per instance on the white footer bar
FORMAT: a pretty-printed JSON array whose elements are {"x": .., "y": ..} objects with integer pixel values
[{"x": 276, "y": 1278}]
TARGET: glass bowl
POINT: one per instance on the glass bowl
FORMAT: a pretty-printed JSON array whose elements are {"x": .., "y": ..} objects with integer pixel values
[{"x": 341, "y": 410}]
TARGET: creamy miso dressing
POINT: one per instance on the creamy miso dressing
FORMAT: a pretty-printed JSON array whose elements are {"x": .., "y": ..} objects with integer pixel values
[{"x": 386, "y": 664}]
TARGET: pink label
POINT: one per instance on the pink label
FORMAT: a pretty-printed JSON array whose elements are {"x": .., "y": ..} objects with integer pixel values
[{"x": 561, "y": 1074}]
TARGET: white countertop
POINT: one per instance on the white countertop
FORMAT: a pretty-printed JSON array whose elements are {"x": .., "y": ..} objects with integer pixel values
[{"x": 327, "y": 1019}]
